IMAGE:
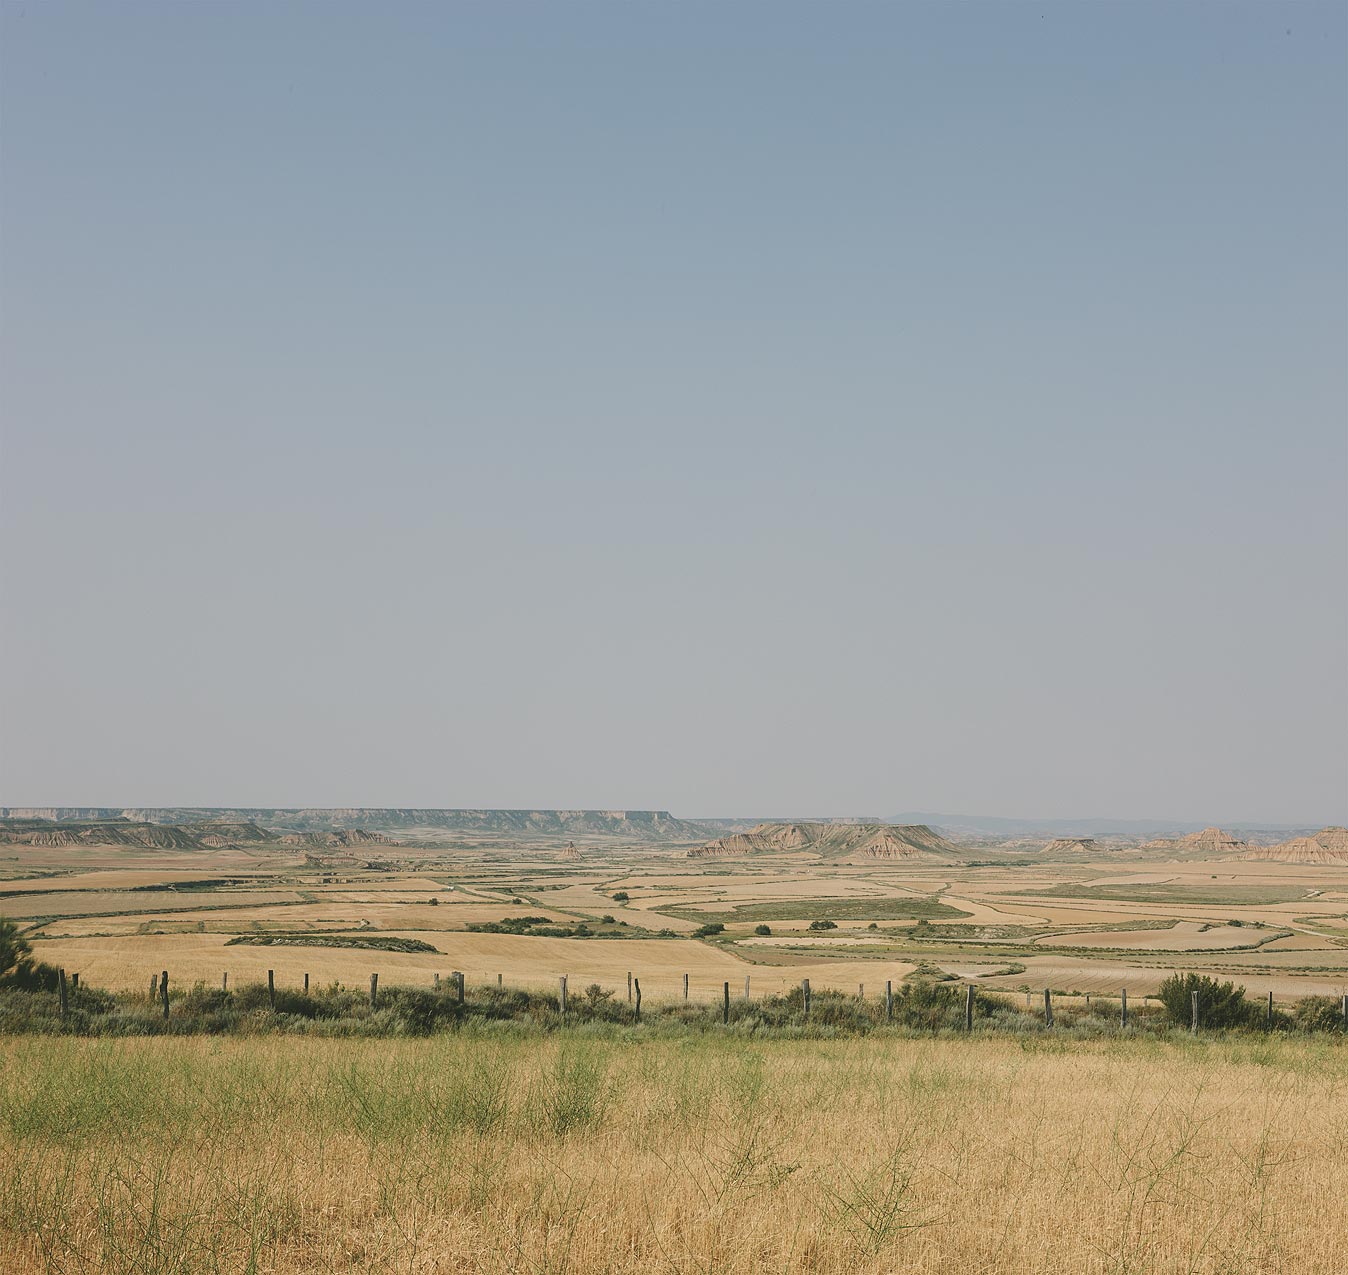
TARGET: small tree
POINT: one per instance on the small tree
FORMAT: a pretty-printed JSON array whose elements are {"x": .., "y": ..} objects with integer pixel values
[
  {"x": 706, "y": 931},
  {"x": 763, "y": 930},
  {"x": 621, "y": 896},
  {"x": 823, "y": 925},
  {"x": 15, "y": 950}
]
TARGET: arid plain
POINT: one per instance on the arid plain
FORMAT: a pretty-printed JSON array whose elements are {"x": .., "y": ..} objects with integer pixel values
[{"x": 1076, "y": 917}]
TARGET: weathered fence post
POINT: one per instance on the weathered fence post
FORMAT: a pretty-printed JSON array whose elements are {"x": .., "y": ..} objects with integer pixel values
[
  {"x": 1048, "y": 1008},
  {"x": 805, "y": 996},
  {"x": 1193, "y": 1005},
  {"x": 969, "y": 1008},
  {"x": 65, "y": 1007},
  {"x": 1123, "y": 1009},
  {"x": 1269, "y": 1021},
  {"x": 374, "y": 990},
  {"x": 460, "y": 979},
  {"x": 861, "y": 991},
  {"x": 725, "y": 1008},
  {"x": 561, "y": 994},
  {"x": 271, "y": 989},
  {"x": 306, "y": 984},
  {"x": 500, "y": 981},
  {"x": 746, "y": 987},
  {"x": 685, "y": 987},
  {"x": 629, "y": 987},
  {"x": 435, "y": 981},
  {"x": 1345, "y": 1009},
  {"x": 636, "y": 982},
  {"x": 224, "y": 981},
  {"x": 163, "y": 990},
  {"x": 889, "y": 1000},
  {"x": 75, "y": 982}
]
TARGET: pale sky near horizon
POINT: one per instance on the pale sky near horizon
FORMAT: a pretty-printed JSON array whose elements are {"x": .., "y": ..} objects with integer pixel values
[{"x": 730, "y": 408}]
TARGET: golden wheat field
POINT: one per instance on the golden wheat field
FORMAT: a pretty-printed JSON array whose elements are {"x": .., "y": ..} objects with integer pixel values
[{"x": 478, "y": 1152}]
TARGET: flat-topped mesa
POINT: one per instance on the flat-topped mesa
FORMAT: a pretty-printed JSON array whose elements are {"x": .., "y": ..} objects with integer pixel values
[
  {"x": 1329, "y": 845},
  {"x": 1071, "y": 845},
  {"x": 831, "y": 840}
]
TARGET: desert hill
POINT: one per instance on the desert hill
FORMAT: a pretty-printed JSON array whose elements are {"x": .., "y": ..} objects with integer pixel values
[
  {"x": 1208, "y": 841},
  {"x": 337, "y": 837},
  {"x": 1329, "y": 845},
  {"x": 831, "y": 840},
  {"x": 208, "y": 835},
  {"x": 1071, "y": 845}
]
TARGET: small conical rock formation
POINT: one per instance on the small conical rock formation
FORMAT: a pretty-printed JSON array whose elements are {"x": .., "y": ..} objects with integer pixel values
[{"x": 570, "y": 852}]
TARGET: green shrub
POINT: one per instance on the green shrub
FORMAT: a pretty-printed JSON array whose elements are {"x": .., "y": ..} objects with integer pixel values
[
  {"x": 823, "y": 925},
  {"x": 706, "y": 931},
  {"x": 763, "y": 930},
  {"x": 1219, "y": 1004},
  {"x": 1319, "y": 1014}
]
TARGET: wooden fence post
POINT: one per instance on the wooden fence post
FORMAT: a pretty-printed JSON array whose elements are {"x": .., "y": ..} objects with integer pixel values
[
  {"x": 1345, "y": 1009},
  {"x": 224, "y": 981},
  {"x": 1269, "y": 1021},
  {"x": 636, "y": 982},
  {"x": 462, "y": 980},
  {"x": 65, "y": 1007},
  {"x": 271, "y": 989},
  {"x": 1193, "y": 1005},
  {"x": 306, "y": 984},
  {"x": 435, "y": 981},
  {"x": 685, "y": 987},
  {"x": 861, "y": 991},
  {"x": 500, "y": 981},
  {"x": 1048, "y": 1008},
  {"x": 629, "y": 987},
  {"x": 561, "y": 994},
  {"x": 969, "y": 1008},
  {"x": 805, "y": 996},
  {"x": 725, "y": 1010},
  {"x": 163, "y": 990},
  {"x": 75, "y": 982},
  {"x": 374, "y": 990},
  {"x": 746, "y": 987},
  {"x": 889, "y": 1000},
  {"x": 1123, "y": 1009}
]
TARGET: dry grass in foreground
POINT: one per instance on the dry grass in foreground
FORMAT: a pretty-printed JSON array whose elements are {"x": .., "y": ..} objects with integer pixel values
[{"x": 493, "y": 1152}]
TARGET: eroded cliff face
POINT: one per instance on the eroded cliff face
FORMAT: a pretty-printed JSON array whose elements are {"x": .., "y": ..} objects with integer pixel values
[
  {"x": 1329, "y": 845},
  {"x": 831, "y": 840}
]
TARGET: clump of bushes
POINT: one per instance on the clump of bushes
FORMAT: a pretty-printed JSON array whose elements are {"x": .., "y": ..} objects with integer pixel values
[
  {"x": 706, "y": 931},
  {"x": 1219, "y": 1004}
]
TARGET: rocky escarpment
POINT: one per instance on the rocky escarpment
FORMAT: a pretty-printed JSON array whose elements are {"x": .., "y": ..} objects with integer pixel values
[
  {"x": 1329, "y": 845},
  {"x": 831, "y": 840},
  {"x": 637, "y": 825}
]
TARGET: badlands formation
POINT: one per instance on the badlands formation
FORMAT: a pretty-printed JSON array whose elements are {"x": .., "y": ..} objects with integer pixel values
[{"x": 832, "y": 840}]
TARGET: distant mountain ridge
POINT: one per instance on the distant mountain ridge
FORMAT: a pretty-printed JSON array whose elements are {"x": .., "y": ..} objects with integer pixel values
[{"x": 643, "y": 825}]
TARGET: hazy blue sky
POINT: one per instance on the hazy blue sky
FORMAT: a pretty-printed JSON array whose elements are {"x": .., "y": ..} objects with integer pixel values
[{"x": 768, "y": 408}]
